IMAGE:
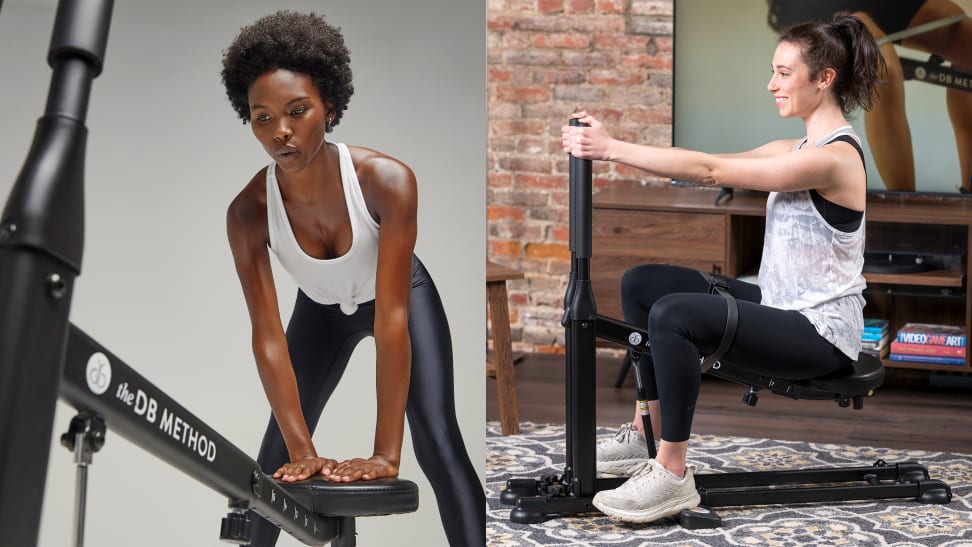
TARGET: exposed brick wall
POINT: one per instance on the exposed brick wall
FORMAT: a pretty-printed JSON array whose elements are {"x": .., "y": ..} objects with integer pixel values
[{"x": 545, "y": 59}]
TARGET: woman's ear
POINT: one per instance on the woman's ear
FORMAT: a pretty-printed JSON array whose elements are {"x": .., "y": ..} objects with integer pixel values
[
  {"x": 826, "y": 78},
  {"x": 329, "y": 114}
]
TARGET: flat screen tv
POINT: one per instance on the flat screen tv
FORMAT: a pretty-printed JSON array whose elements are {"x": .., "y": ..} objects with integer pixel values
[{"x": 723, "y": 51}]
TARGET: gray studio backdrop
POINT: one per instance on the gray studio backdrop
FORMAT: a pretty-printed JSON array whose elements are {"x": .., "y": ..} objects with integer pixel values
[{"x": 166, "y": 154}]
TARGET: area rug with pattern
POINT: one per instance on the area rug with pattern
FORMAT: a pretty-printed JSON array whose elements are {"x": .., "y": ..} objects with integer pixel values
[{"x": 539, "y": 449}]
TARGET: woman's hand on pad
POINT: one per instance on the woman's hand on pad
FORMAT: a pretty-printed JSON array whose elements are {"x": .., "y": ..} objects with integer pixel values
[
  {"x": 305, "y": 468},
  {"x": 375, "y": 467}
]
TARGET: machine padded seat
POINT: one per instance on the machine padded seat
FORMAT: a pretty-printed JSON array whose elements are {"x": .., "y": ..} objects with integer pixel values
[
  {"x": 867, "y": 375},
  {"x": 355, "y": 499}
]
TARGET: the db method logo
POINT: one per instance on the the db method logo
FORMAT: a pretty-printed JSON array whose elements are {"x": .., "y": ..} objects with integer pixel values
[{"x": 98, "y": 373}]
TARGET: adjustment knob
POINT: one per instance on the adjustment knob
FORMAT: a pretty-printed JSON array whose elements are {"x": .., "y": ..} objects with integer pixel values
[
  {"x": 67, "y": 441},
  {"x": 235, "y": 528}
]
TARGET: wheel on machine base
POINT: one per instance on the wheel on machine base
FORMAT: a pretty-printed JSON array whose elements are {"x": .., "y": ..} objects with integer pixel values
[
  {"x": 935, "y": 491},
  {"x": 527, "y": 516},
  {"x": 518, "y": 488},
  {"x": 698, "y": 518}
]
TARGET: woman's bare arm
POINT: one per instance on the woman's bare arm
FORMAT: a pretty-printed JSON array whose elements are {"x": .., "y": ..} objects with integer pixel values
[
  {"x": 246, "y": 226},
  {"x": 390, "y": 191}
]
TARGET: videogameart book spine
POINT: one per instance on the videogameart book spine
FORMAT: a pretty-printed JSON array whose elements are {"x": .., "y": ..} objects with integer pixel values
[{"x": 928, "y": 334}]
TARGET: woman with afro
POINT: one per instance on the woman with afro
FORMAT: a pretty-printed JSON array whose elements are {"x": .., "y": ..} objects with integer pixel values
[{"x": 342, "y": 221}]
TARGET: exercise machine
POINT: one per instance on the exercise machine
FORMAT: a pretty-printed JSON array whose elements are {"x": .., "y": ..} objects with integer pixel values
[
  {"x": 571, "y": 492},
  {"x": 933, "y": 70},
  {"x": 43, "y": 356}
]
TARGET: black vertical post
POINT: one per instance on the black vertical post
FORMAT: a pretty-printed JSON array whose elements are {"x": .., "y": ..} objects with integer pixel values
[
  {"x": 565, "y": 321},
  {"x": 580, "y": 336},
  {"x": 41, "y": 245}
]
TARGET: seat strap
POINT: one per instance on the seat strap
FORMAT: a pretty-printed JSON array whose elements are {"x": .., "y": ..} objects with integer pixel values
[{"x": 721, "y": 287}]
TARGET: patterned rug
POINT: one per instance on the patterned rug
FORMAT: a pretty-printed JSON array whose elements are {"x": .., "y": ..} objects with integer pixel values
[{"x": 539, "y": 449}]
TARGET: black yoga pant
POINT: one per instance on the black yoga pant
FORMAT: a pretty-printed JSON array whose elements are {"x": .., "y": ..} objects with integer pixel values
[
  {"x": 321, "y": 339},
  {"x": 683, "y": 321}
]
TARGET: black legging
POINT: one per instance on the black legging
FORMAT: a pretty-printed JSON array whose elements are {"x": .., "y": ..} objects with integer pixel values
[
  {"x": 321, "y": 339},
  {"x": 683, "y": 321}
]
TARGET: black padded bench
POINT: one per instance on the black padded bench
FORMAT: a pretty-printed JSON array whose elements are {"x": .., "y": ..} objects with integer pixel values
[
  {"x": 845, "y": 387},
  {"x": 345, "y": 501}
]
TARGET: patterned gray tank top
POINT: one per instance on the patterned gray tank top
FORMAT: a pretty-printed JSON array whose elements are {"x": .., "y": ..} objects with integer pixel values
[{"x": 813, "y": 268}]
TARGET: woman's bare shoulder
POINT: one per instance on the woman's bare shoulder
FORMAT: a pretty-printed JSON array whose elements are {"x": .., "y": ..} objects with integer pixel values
[
  {"x": 250, "y": 204},
  {"x": 387, "y": 184},
  {"x": 372, "y": 162},
  {"x": 379, "y": 172}
]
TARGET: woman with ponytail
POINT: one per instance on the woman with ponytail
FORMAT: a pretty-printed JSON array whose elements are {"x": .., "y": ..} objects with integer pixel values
[
  {"x": 803, "y": 319},
  {"x": 886, "y": 124}
]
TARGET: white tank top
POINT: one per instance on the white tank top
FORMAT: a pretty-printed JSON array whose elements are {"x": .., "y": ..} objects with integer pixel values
[
  {"x": 814, "y": 268},
  {"x": 347, "y": 280}
]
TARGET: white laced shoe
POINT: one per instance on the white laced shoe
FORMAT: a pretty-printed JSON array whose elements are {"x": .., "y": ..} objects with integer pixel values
[
  {"x": 651, "y": 494},
  {"x": 624, "y": 454}
]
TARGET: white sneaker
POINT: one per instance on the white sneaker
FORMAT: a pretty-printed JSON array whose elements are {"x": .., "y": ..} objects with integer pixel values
[
  {"x": 624, "y": 454},
  {"x": 651, "y": 494}
]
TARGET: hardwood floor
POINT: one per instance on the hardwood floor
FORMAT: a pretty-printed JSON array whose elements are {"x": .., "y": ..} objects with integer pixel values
[{"x": 909, "y": 411}]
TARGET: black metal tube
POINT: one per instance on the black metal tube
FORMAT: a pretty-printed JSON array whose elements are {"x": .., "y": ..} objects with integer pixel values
[
  {"x": 897, "y": 472},
  {"x": 642, "y": 394},
  {"x": 81, "y": 30},
  {"x": 809, "y": 494},
  {"x": 70, "y": 89},
  {"x": 582, "y": 306},
  {"x": 582, "y": 405},
  {"x": 579, "y": 315},
  {"x": 581, "y": 188},
  {"x": 99, "y": 382},
  {"x": 624, "y": 334},
  {"x": 570, "y": 413},
  {"x": 33, "y": 328},
  {"x": 80, "y": 500},
  {"x": 41, "y": 244},
  {"x": 45, "y": 211}
]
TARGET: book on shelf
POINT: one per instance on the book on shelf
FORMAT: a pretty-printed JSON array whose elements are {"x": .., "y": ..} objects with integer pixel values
[
  {"x": 880, "y": 353},
  {"x": 879, "y": 326},
  {"x": 933, "y": 359},
  {"x": 927, "y": 349},
  {"x": 874, "y": 337},
  {"x": 874, "y": 344},
  {"x": 931, "y": 334}
]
